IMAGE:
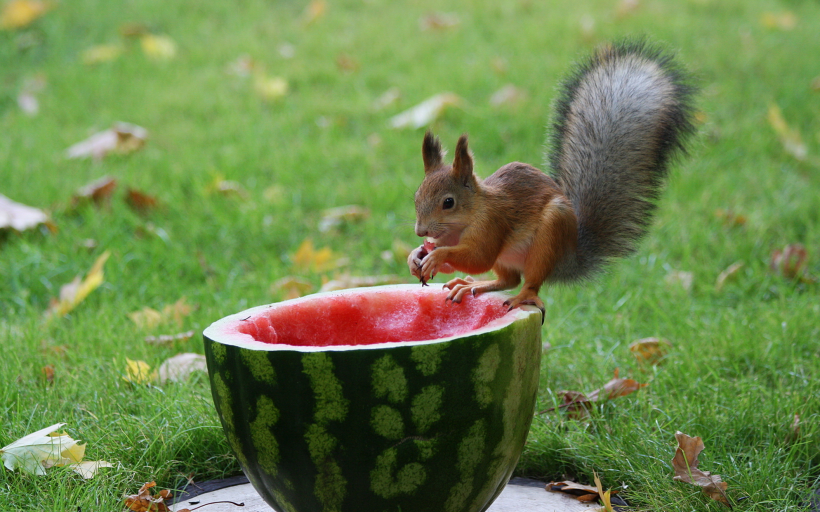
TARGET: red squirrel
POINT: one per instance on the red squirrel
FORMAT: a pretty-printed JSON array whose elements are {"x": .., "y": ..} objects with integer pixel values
[{"x": 619, "y": 119}]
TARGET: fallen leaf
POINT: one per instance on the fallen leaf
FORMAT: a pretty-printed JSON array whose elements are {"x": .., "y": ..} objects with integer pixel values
[
  {"x": 180, "y": 367},
  {"x": 76, "y": 291},
  {"x": 43, "y": 449},
  {"x": 138, "y": 372},
  {"x": 387, "y": 99},
  {"x": 308, "y": 258},
  {"x": 785, "y": 20},
  {"x": 439, "y": 21},
  {"x": 101, "y": 53},
  {"x": 790, "y": 137},
  {"x": 685, "y": 464},
  {"x": 507, "y": 95},
  {"x": 145, "y": 501},
  {"x": 650, "y": 350},
  {"x": 347, "y": 64},
  {"x": 291, "y": 287},
  {"x": 149, "y": 318},
  {"x": 19, "y": 217},
  {"x": 48, "y": 373},
  {"x": 158, "y": 47},
  {"x": 730, "y": 218},
  {"x": 121, "y": 138},
  {"x": 140, "y": 201},
  {"x": 98, "y": 191},
  {"x": 347, "y": 281},
  {"x": 729, "y": 273},
  {"x": 627, "y": 7},
  {"x": 335, "y": 217},
  {"x": 315, "y": 10},
  {"x": 615, "y": 388},
  {"x": 680, "y": 278},
  {"x": 132, "y": 30},
  {"x": 425, "y": 112},
  {"x": 169, "y": 339},
  {"x": 570, "y": 487},
  {"x": 604, "y": 495},
  {"x": 21, "y": 13},
  {"x": 790, "y": 262},
  {"x": 219, "y": 185},
  {"x": 270, "y": 88}
]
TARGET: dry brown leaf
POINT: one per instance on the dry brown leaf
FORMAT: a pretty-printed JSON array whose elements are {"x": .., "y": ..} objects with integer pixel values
[
  {"x": 98, "y": 191},
  {"x": 615, "y": 388},
  {"x": 650, "y": 350},
  {"x": 77, "y": 290},
  {"x": 790, "y": 137},
  {"x": 180, "y": 367},
  {"x": 19, "y": 217},
  {"x": 48, "y": 373},
  {"x": 291, "y": 287},
  {"x": 133, "y": 30},
  {"x": 21, "y": 13},
  {"x": 729, "y": 273},
  {"x": 139, "y": 201},
  {"x": 145, "y": 501},
  {"x": 570, "y": 487},
  {"x": 425, "y": 112},
  {"x": 439, "y": 21},
  {"x": 347, "y": 281},
  {"x": 149, "y": 318},
  {"x": 685, "y": 464},
  {"x": 335, "y": 217},
  {"x": 790, "y": 262},
  {"x": 121, "y": 138},
  {"x": 785, "y": 20},
  {"x": 730, "y": 218},
  {"x": 169, "y": 339}
]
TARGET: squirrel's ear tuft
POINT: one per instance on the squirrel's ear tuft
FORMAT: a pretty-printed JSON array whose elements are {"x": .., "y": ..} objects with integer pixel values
[
  {"x": 463, "y": 161},
  {"x": 431, "y": 152}
]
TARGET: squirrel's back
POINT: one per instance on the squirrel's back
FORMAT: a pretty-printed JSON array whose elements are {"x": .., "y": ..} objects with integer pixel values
[{"x": 619, "y": 120}]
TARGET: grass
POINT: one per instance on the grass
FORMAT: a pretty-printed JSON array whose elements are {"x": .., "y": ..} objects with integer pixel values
[{"x": 744, "y": 361}]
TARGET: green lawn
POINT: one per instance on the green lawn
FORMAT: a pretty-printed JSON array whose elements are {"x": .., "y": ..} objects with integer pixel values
[{"x": 744, "y": 360}]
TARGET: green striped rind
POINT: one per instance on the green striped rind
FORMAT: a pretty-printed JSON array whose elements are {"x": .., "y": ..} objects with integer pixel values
[{"x": 421, "y": 428}]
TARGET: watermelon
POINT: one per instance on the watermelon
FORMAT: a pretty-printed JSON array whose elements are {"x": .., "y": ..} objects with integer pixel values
[{"x": 381, "y": 399}]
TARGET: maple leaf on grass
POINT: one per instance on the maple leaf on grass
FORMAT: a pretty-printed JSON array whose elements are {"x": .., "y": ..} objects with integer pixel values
[
  {"x": 98, "y": 192},
  {"x": 650, "y": 351},
  {"x": 306, "y": 257},
  {"x": 685, "y": 464}
]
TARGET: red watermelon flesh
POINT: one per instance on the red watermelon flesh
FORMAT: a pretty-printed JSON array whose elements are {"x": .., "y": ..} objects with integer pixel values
[{"x": 370, "y": 318}]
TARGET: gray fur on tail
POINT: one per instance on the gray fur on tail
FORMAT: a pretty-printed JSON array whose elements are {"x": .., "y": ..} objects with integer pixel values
[{"x": 619, "y": 120}]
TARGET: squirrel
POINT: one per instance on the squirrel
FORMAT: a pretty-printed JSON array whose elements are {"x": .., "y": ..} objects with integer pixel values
[{"x": 620, "y": 118}]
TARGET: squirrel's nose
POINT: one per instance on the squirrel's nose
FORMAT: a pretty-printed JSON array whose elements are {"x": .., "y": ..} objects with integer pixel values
[{"x": 421, "y": 230}]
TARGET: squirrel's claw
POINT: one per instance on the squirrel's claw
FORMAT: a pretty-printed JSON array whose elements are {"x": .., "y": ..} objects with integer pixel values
[{"x": 527, "y": 298}]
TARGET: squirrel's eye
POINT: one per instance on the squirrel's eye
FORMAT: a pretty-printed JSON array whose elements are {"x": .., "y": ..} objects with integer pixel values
[{"x": 449, "y": 203}]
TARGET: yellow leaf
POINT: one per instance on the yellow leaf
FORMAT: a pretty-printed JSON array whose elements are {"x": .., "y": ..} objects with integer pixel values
[
  {"x": 306, "y": 257},
  {"x": 291, "y": 287},
  {"x": 790, "y": 138},
  {"x": 315, "y": 10},
  {"x": 46, "y": 448},
  {"x": 101, "y": 53},
  {"x": 270, "y": 88},
  {"x": 785, "y": 20},
  {"x": 425, "y": 112},
  {"x": 146, "y": 318},
  {"x": 605, "y": 496},
  {"x": 77, "y": 290},
  {"x": 20, "y": 13},
  {"x": 138, "y": 372},
  {"x": 158, "y": 47},
  {"x": 650, "y": 350},
  {"x": 727, "y": 274}
]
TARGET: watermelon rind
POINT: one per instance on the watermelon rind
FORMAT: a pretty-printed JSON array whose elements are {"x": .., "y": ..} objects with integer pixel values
[{"x": 422, "y": 426}]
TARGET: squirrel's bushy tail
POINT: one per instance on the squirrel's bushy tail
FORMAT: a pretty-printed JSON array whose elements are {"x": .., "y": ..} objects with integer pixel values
[{"x": 620, "y": 118}]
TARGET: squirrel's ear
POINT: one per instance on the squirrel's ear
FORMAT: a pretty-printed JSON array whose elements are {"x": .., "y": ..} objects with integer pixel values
[
  {"x": 463, "y": 161},
  {"x": 431, "y": 152}
]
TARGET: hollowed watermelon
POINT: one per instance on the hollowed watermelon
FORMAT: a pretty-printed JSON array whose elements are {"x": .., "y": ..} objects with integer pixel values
[{"x": 381, "y": 399}]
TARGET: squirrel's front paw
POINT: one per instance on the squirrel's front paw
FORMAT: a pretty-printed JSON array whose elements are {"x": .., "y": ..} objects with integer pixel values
[{"x": 414, "y": 261}]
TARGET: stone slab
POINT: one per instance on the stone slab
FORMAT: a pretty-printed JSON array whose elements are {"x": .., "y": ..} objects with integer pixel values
[{"x": 520, "y": 495}]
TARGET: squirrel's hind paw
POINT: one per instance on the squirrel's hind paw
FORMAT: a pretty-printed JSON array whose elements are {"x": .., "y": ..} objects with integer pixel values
[{"x": 527, "y": 298}]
